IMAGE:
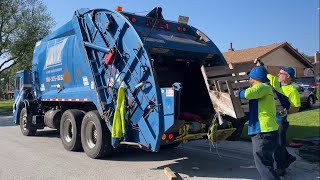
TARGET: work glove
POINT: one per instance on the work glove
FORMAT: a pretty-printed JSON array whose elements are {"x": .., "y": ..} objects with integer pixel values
[
  {"x": 283, "y": 113},
  {"x": 236, "y": 93},
  {"x": 258, "y": 62}
]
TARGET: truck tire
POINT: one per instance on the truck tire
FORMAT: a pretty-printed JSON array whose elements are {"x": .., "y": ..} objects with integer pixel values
[
  {"x": 70, "y": 127},
  {"x": 95, "y": 136},
  {"x": 310, "y": 102},
  {"x": 23, "y": 124}
]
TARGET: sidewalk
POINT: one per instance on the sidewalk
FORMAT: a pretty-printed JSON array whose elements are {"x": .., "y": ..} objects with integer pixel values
[{"x": 6, "y": 119}]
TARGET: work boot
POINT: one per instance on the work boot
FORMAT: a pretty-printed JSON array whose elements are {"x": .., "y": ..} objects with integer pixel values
[{"x": 280, "y": 172}]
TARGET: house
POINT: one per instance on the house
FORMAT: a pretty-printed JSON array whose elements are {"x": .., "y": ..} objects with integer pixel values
[
  {"x": 316, "y": 64},
  {"x": 273, "y": 56}
]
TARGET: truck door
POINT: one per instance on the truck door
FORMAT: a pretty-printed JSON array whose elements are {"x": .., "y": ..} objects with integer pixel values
[
  {"x": 17, "y": 85},
  {"x": 22, "y": 84}
]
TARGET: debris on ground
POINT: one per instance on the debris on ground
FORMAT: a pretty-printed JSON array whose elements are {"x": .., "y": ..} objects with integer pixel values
[
  {"x": 309, "y": 149},
  {"x": 170, "y": 174}
]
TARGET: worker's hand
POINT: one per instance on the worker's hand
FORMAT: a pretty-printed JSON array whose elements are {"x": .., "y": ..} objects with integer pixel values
[
  {"x": 258, "y": 62},
  {"x": 236, "y": 93},
  {"x": 283, "y": 113}
]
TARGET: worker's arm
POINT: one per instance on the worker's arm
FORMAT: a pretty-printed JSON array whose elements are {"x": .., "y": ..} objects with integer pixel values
[
  {"x": 254, "y": 92},
  {"x": 294, "y": 99},
  {"x": 293, "y": 110},
  {"x": 274, "y": 81}
]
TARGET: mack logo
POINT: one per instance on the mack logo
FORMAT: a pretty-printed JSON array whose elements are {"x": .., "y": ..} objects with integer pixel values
[{"x": 54, "y": 52}]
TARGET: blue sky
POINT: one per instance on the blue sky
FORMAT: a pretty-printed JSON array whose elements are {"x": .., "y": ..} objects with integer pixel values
[{"x": 245, "y": 23}]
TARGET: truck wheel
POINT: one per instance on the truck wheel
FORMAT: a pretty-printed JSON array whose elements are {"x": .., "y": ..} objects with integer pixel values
[
  {"x": 70, "y": 129},
  {"x": 310, "y": 101},
  {"x": 95, "y": 136},
  {"x": 23, "y": 124}
]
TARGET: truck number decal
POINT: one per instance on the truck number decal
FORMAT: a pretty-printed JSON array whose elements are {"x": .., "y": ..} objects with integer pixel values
[
  {"x": 85, "y": 81},
  {"x": 54, "y": 78}
]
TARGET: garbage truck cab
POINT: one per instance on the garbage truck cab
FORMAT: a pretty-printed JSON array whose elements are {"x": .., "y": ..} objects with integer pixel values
[{"x": 79, "y": 70}]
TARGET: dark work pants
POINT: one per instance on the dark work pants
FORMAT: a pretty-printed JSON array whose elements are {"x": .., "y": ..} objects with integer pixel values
[
  {"x": 264, "y": 145},
  {"x": 282, "y": 157}
]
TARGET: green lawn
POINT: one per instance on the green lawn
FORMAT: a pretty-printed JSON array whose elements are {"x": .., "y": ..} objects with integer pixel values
[
  {"x": 302, "y": 124},
  {"x": 6, "y": 106}
]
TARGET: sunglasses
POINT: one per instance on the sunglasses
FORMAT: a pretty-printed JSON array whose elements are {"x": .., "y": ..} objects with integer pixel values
[{"x": 283, "y": 73}]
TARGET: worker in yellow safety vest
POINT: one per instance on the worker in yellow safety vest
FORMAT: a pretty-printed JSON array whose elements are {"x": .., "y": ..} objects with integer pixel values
[
  {"x": 289, "y": 98},
  {"x": 262, "y": 125}
]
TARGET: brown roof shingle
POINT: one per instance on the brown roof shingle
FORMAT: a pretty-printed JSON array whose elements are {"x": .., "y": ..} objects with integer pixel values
[
  {"x": 250, "y": 54},
  {"x": 247, "y": 55}
]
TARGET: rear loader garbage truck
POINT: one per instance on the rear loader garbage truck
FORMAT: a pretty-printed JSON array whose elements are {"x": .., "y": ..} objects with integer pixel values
[{"x": 109, "y": 78}]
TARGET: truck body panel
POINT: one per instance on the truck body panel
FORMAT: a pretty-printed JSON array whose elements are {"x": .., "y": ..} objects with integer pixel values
[{"x": 82, "y": 65}]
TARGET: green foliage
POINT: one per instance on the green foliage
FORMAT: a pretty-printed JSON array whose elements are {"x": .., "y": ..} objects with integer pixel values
[
  {"x": 303, "y": 124},
  {"x": 6, "y": 106},
  {"x": 22, "y": 24}
]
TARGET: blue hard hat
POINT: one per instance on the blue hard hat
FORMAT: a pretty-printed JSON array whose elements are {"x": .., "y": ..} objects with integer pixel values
[
  {"x": 290, "y": 71},
  {"x": 259, "y": 73}
]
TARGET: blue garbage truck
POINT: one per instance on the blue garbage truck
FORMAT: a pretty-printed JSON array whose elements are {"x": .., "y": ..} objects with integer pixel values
[{"x": 109, "y": 79}]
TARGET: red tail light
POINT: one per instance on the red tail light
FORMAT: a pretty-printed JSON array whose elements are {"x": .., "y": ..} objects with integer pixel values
[
  {"x": 170, "y": 136},
  {"x": 313, "y": 85}
]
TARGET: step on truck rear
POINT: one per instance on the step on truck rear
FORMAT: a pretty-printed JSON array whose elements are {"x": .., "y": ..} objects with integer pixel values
[{"x": 108, "y": 79}]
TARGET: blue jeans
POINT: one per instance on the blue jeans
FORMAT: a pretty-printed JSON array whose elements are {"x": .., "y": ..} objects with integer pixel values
[{"x": 264, "y": 145}]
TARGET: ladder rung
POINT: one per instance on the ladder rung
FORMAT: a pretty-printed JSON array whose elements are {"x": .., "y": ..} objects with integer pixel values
[{"x": 102, "y": 87}]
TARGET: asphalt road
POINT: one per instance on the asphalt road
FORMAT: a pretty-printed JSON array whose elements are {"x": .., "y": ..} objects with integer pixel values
[{"x": 43, "y": 157}]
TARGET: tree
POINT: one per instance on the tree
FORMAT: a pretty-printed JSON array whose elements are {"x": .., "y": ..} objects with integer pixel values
[{"x": 22, "y": 24}]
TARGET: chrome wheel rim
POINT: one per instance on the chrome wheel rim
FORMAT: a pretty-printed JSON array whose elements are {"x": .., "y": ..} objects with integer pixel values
[
  {"x": 24, "y": 121},
  {"x": 91, "y": 135},
  {"x": 310, "y": 101},
  {"x": 68, "y": 130}
]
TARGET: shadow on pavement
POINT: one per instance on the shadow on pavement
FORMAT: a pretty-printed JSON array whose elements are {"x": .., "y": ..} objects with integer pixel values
[
  {"x": 192, "y": 163},
  {"x": 52, "y": 133}
]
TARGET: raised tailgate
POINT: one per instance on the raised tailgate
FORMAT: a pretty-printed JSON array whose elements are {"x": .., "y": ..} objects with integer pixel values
[{"x": 222, "y": 81}]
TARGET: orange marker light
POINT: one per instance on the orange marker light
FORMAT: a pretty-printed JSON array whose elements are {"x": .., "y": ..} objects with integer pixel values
[
  {"x": 118, "y": 8},
  {"x": 164, "y": 136}
]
